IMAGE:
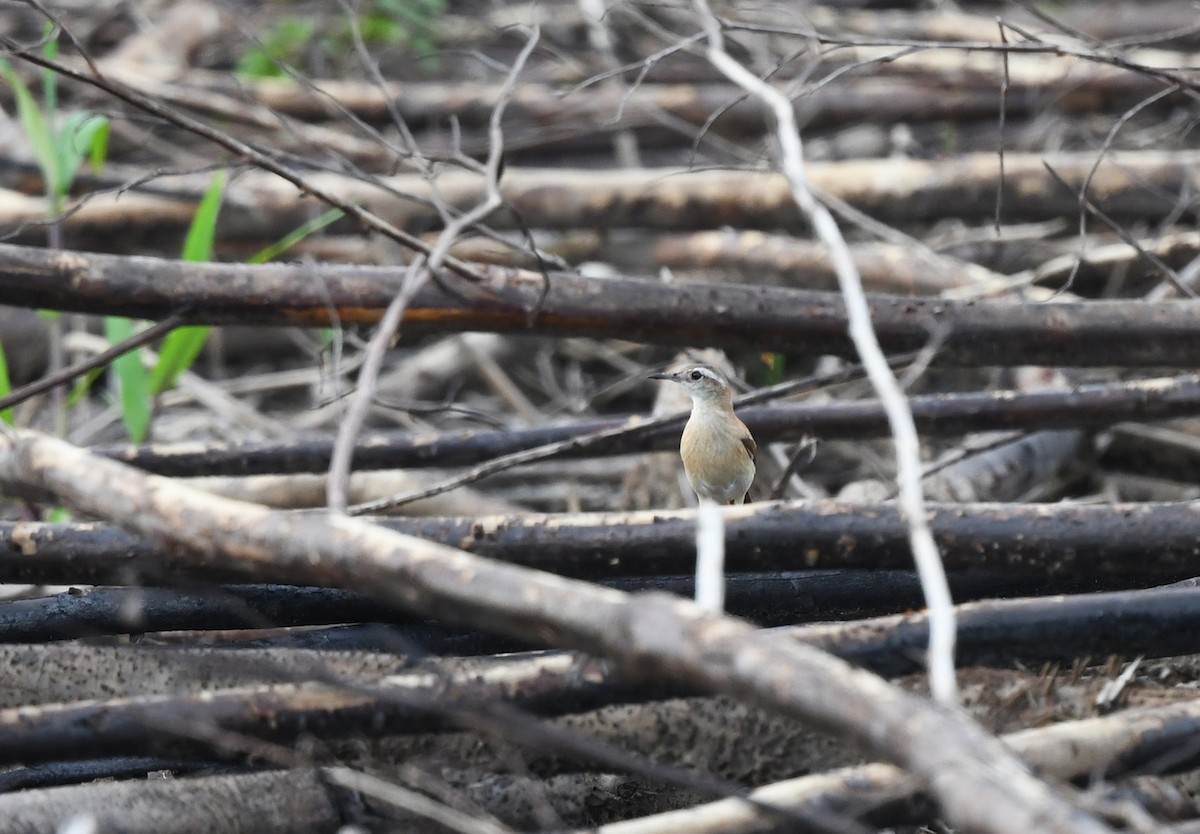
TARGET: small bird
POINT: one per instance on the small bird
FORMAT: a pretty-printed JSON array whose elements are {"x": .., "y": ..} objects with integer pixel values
[{"x": 716, "y": 447}]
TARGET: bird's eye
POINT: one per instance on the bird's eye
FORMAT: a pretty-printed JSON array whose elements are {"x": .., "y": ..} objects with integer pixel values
[{"x": 696, "y": 375}]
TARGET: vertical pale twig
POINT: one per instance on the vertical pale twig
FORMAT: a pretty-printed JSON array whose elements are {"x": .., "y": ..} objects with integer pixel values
[
  {"x": 415, "y": 276},
  {"x": 904, "y": 432},
  {"x": 710, "y": 557}
]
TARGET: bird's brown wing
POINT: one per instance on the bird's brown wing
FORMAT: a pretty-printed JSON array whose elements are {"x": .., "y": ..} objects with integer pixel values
[{"x": 751, "y": 446}]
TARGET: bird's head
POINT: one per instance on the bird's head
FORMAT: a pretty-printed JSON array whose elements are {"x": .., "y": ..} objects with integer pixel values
[{"x": 702, "y": 382}]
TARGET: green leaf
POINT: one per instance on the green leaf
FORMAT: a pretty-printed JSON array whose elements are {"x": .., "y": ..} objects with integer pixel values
[
  {"x": 85, "y": 134},
  {"x": 289, "y": 240},
  {"x": 98, "y": 145},
  {"x": 198, "y": 245},
  {"x": 285, "y": 43},
  {"x": 183, "y": 344},
  {"x": 132, "y": 380},
  {"x": 37, "y": 130},
  {"x": 776, "y": 367},
  {"x": 73, "y": 141},
  {"x": 5, "y": 387},
  {"x": 59, "y": 515}
]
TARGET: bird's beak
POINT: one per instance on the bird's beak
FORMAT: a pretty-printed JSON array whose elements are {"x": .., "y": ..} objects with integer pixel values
[{"x": 663, "y": 375}]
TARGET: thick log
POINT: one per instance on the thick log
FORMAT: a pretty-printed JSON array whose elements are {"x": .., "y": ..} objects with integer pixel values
[
  {"x": 1138, "y": 185},
  {"x": 515, "y": 301},
  {"x": 1086, "y": 406},
  {"x": 766, "y": 599},
  {"x": 1100, "y": 543}
]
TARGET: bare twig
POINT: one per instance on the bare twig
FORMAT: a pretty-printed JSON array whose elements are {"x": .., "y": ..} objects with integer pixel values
[
  {"x": 907, "y": 444},
  {"x": 418, "y": 272}
]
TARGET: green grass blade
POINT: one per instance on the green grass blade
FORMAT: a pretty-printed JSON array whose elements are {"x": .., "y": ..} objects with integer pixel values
[
  {"x": 178, "y": 353},
  {"x": 292, "y": 238},
  {"x": 5, "y": 387},
  {"x": 181, "y": 347},
  {"x": 132, "y": 380},
  {"x": 198, "y": 245},
  {"x": 82, "y": 385},
  {"x": 36, "y": 128},
  {"x": 97, "y": 143}
]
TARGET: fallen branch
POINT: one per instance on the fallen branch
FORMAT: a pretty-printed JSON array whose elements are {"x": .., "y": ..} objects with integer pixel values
[
  {"x": 1102, "y": 543},
  {"x": 517, "y": 301}
]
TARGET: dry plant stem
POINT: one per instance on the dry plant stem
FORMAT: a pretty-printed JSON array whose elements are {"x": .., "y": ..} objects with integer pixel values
[
  {"x": 904, "y": 431},
  {"x": 980, "y": 785},
  {"x": 342, "y": 455},
  {"x": 417, "y": 274}
]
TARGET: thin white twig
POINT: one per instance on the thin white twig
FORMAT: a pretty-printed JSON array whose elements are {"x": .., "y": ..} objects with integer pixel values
[
  {"x": 710, "y": 557},
  {"x": 907, "y": 445},
  {"x": 418, "y": 272}
]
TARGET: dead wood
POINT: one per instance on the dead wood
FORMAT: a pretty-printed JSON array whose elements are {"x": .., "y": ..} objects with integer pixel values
[
  {"x": 911, "y": 88},
  {"x": 347, "y": 701},
  {"x": 1009, "y": 469},
  {"x": 1060, "y": 539},
  {"x": 65, "y": 672},
  {"x": 1150, "y": 623},
  {"x": 53, "y": 774},
  {"x": 651, "y": 89},
  {"x": 1142, "y": 185},
  {"x": 1150, "y": 542},
  {"x": 1134, "y": 21},
  {"x": 645, "y": 636},
  {"x": 765, "y": 598},
  {"x": 275, "y": 802},
  {"x": 1067, "y": 750},
  {"x": 942, "y": 414},
  {"x": 884, "y": 796},
  {"x": 75, "y": 613},
  {"x": 304, "y": 491},
  {"x": 1159, "y": 451},
  {"x": 513, "y": 301},
  {"x": 425, "y": 700},
  {"x": 553, "y": 119},
  {"x": 781, "y": 260}
]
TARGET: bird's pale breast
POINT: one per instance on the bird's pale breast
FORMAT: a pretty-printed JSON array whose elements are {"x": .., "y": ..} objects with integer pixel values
[{"x": 716, "y": 461}]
